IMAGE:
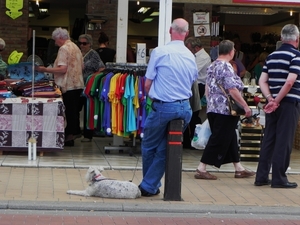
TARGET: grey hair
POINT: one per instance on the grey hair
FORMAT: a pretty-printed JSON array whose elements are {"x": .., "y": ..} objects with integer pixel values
[
  {"x": 289, "y": 32},
  {"x": 87, "y": 37},
  {"x": 60, "y": 33},
  {"x": 225, "y": 47},
  {"x": 2, "y": 44},
  {"x": 179, "y": 29},
  {"x": 194, "y": 42}
]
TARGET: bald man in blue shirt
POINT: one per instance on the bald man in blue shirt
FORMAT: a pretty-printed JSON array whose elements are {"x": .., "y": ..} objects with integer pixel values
[{"x": 170, "y": 74}]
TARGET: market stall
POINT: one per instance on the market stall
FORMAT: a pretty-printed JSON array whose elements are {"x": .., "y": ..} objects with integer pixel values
[
  {"x": 19, "y": 116},
  {"x": 30, "y": 109}
]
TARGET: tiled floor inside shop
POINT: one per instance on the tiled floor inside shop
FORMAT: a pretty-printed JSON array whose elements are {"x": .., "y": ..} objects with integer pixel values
[{"x": 83, "y": 155}]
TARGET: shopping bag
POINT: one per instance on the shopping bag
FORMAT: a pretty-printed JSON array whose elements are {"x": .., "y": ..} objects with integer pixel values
[{"x": 201, "y": 136}]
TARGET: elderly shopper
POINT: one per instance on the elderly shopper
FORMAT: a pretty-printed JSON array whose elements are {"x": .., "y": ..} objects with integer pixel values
[
  {"x": 222, "y": 146},
  {"x": 67, "y": 70}
]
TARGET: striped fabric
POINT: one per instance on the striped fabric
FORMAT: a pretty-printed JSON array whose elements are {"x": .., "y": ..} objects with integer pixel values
[{"x": 278, "y": 65}]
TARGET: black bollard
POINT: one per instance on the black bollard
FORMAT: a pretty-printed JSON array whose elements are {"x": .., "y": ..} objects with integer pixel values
[{"x": 172, "y": 190}]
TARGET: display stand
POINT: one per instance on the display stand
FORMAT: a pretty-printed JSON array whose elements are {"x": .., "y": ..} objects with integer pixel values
[
  {"x": 251, "y": 138},
  {"x": 118, "y": 144},
  {"x": 252, "y": 133}
]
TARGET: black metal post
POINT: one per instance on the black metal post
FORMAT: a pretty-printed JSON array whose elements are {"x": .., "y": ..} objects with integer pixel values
[{"x": 172, "y": 190}]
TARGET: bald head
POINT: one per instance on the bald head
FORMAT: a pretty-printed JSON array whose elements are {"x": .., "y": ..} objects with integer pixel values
[{"x": 179, "y": 29}]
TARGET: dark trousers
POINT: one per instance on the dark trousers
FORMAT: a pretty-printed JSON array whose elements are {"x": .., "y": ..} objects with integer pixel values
[
  {"x": 201, "y": 88},
  {"x": 86, "y": 132},
  {"x": 222, "y": 146},
  {"x": 278, "y": 142},
  {"x": 71, "y": 100}
]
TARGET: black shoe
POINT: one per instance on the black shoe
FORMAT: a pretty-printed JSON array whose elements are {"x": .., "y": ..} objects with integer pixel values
[
  {"x": 69, "y": 143},
  {"x": 146, "y": 193},
  {"x": 258, "y": 183},
  {"x": 286, "y": 185}
]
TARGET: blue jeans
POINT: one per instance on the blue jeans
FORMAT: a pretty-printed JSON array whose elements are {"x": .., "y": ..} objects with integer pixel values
[{"x": 154, "y": 143}]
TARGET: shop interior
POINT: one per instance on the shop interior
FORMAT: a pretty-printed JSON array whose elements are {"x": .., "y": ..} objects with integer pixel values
[{"x": 253, "y": 25}]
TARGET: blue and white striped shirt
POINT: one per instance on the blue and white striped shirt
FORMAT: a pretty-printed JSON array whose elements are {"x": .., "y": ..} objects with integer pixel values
[{"x": 278, "y": 65}]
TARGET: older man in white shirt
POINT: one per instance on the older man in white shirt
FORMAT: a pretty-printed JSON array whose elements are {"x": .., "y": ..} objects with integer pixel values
[{"x": 203, "y": 60}]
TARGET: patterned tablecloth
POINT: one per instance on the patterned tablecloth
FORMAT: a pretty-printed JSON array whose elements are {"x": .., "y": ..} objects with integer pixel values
[{"x": 20, "y": 116}]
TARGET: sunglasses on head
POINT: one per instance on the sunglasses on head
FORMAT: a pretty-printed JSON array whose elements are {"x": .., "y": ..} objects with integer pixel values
[{"x": 82, "y": 43}]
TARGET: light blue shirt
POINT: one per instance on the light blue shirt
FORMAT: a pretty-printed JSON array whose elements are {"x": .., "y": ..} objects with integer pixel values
[{"x": 173, "y": 70}]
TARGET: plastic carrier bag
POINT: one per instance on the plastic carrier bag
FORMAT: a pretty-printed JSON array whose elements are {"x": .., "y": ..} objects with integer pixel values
[{"x": 201, "y": 136}]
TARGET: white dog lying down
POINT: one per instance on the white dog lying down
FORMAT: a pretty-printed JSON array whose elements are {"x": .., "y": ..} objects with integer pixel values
[{"x": 100, "y": 186}]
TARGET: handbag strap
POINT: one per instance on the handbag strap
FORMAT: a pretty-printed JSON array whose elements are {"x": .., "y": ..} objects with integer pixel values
[{"x": 222, "y": 89}]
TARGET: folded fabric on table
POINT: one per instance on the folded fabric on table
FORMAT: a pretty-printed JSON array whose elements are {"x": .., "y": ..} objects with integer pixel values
[
  {"x": 46, "y": 94},
  {"x": 35, "y": 90}
]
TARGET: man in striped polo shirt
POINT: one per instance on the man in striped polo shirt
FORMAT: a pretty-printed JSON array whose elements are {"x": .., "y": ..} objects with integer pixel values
[{"x": 280, "y": 84}]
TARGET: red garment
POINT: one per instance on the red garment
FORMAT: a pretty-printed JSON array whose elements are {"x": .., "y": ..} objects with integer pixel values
[{"x": 91, "y": 103}]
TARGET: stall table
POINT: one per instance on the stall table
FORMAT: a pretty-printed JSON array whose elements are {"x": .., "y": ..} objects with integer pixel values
[
  {"x": 250, "y": 142},
  {"x": 20, "y": 116}
]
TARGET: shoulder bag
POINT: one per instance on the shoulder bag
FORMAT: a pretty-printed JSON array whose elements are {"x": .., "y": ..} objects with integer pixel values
[{"x": 235, "y": 108}]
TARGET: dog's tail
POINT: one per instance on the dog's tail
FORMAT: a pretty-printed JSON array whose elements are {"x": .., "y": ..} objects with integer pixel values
[{"x": 75, "y": 192}]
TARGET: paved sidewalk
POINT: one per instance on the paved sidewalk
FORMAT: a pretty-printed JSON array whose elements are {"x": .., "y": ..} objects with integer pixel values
[{"x": 45, "y": 189}]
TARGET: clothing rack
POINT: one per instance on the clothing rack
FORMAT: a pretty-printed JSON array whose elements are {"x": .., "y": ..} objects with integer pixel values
[
  {"x": 118, "y": 141},
  {"x": 126, "y": 66},
  {"x": 112, "y": 65}
]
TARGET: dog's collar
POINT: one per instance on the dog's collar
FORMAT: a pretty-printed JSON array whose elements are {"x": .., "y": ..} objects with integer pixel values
[
  {"x": 95, "y": 177},
  {"x": 102, "y": 179},
  {"x": 99, "y": 175}
]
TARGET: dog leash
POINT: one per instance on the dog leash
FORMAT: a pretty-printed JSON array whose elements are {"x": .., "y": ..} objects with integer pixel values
[{"x": 137, "y": 161}]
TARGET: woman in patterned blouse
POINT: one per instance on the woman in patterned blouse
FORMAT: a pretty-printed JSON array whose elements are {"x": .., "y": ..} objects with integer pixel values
[{"x": 222, "y": 146}]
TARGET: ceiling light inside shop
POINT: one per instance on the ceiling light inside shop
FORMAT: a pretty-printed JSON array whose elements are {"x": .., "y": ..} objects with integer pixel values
[
  {"x": 247, "y": 10},
  {"x": 143, "y": 10},
  {"x": 43, "y": 10},
  {"x": 147, "y": 20},
  {"x": 154, "y": 14}
]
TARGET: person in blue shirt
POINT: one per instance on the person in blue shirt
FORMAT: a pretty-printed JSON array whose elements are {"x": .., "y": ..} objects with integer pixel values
[{"x": 171, "y": 71}]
